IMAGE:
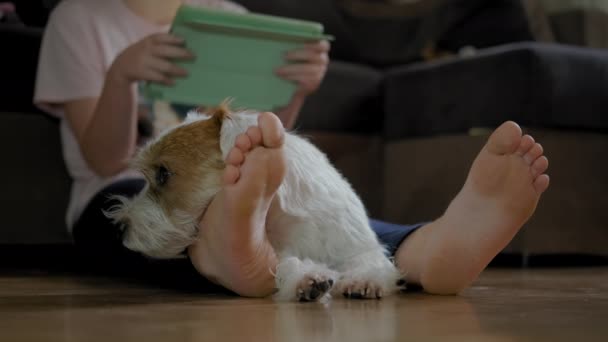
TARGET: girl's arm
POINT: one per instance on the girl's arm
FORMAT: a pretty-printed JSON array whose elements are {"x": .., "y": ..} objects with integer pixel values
[{"x": 106, "y": 127}]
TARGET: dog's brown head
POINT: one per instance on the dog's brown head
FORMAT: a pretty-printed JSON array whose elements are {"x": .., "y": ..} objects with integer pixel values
[
  {"x": 183, "y": 169},
  {"x": 185, "y": 159}
]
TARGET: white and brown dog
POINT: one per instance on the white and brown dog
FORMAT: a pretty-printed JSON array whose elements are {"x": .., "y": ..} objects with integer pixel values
[{"x": 324, "y": 243}]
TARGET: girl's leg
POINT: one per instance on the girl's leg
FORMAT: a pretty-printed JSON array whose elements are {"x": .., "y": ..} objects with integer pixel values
[
  {"x": 391, "y": 235},
  {"x": 500, "y": 194}
]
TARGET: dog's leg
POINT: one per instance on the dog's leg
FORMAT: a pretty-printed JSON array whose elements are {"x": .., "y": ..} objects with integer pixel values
[
  {"x": 303, "y": 280},
  {"x": 367, "y": 276}
]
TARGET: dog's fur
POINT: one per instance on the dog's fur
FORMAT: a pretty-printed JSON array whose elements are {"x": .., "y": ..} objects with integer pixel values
[{"x": 319, "y": 229}]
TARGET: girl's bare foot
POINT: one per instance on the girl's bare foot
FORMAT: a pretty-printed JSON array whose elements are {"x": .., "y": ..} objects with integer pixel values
[
  {"x": 232, "y": 249},
  {"x": 500, "y": 194}
]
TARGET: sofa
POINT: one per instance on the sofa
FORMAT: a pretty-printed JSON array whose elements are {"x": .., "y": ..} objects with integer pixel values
[{"x": 402, "y": 112}]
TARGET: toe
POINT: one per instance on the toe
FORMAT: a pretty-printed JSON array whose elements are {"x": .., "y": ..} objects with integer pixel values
[
  {"x": 235, "y": 157},
  {"x": 347, "y": 291},
  {"x": 273, "y": 133},
  {"x": 243, "y": 142},
  {"x": 373, "y": 291},
  {"x": 231, "y": 174},
  {"x": 541, "y": 183},
  {"x": 367, "y": 291},
  {"x": 539, "y": 166},
  {"x": 535, "y": 152},
  {"x": 526, "y": 144},
  {"x": 255, "y": 136},
  {"x": 505, "y": 138}
]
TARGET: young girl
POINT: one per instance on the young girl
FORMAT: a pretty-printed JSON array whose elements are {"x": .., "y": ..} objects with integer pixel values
[{"x": 93, "y": 55}]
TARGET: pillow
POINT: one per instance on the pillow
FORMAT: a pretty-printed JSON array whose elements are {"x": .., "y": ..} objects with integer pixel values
[
  {"x": 481, "y": 23},
  {"x": 576, "y": 22},
  {"x": 385, "y": 33},
  {"x": 323, "y": 11},
  {"x": 393, "y": 32},
  {"x": 539, "y": 21}
]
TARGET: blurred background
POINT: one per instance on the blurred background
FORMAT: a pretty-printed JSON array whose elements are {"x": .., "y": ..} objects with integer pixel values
[{"x": 412, "y": 91}]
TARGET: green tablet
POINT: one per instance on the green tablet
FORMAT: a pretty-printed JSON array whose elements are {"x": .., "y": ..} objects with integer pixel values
[{"x": 236, "y": 56}]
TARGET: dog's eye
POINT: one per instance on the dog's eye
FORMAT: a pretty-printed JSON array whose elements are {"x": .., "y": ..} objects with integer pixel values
[{"x": 162, "y": 175}]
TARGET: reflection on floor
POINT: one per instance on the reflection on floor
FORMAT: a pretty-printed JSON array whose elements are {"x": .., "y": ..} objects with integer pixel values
[{"x": 549, "y": 304}]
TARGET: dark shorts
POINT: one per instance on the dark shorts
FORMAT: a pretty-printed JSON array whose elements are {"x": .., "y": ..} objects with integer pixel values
[{"x": 98, "y": 239}]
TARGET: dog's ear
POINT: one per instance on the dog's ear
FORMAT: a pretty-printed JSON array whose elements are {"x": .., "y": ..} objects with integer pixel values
[{"x": 221, "y": 112}]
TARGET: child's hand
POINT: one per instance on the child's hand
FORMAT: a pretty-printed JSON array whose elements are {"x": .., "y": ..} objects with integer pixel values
[
  {"x": 150, "y": 59},
  {"x": 307, "y": 68}
]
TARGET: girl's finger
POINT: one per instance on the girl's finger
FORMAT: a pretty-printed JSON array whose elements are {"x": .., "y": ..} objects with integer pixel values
[
  {"x": 156, "y": 76},
  {"x": 319, "y": 46},
  {"x": 166, "y": 67},
  {"x": 308, "y": 81},
  {"x": 166, "y": 38},
  {"x": 307, "y": 55},
  {"x": 171, "y": 51},
  {"x": 301, "y": 69}
]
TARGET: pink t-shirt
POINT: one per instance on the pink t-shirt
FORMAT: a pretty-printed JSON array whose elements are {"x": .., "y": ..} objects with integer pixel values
[{"x": 82, "y": 39}]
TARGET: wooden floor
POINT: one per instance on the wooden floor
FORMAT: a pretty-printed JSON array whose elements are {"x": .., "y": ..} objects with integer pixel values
[{"x": 504, "y": 305}]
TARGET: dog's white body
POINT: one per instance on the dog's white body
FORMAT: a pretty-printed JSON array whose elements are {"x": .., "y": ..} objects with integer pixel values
[
  {"x": 322, "y": 226},
  {"x": 317, "y": 225}
]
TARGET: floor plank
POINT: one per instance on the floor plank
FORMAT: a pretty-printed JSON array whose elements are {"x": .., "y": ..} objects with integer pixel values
[{"x": 504, "y": 305}]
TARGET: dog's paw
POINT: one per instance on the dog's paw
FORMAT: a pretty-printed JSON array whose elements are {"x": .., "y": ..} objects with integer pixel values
[
  {"x": 371, "y": 284},
  {"x": 313, "y": 287},
  {"x": 360, "y": 289},
  {"x": 303, "y": 280}
]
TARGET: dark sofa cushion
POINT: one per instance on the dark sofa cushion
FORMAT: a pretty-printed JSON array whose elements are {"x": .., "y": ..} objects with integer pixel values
[
  {"x": 543, "y": 85},
  {"x": 323, "y": 11},
  {"x": 35, "y": 184},
  {"x": 348, "y": 101},
  {"x": 20, "y": 46},
  {"x": 393, "y": 40},
  {"x": 482, "y": 23},
  {"x": 450, "y": 26},
  {"x": 583, "y": 23}
]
